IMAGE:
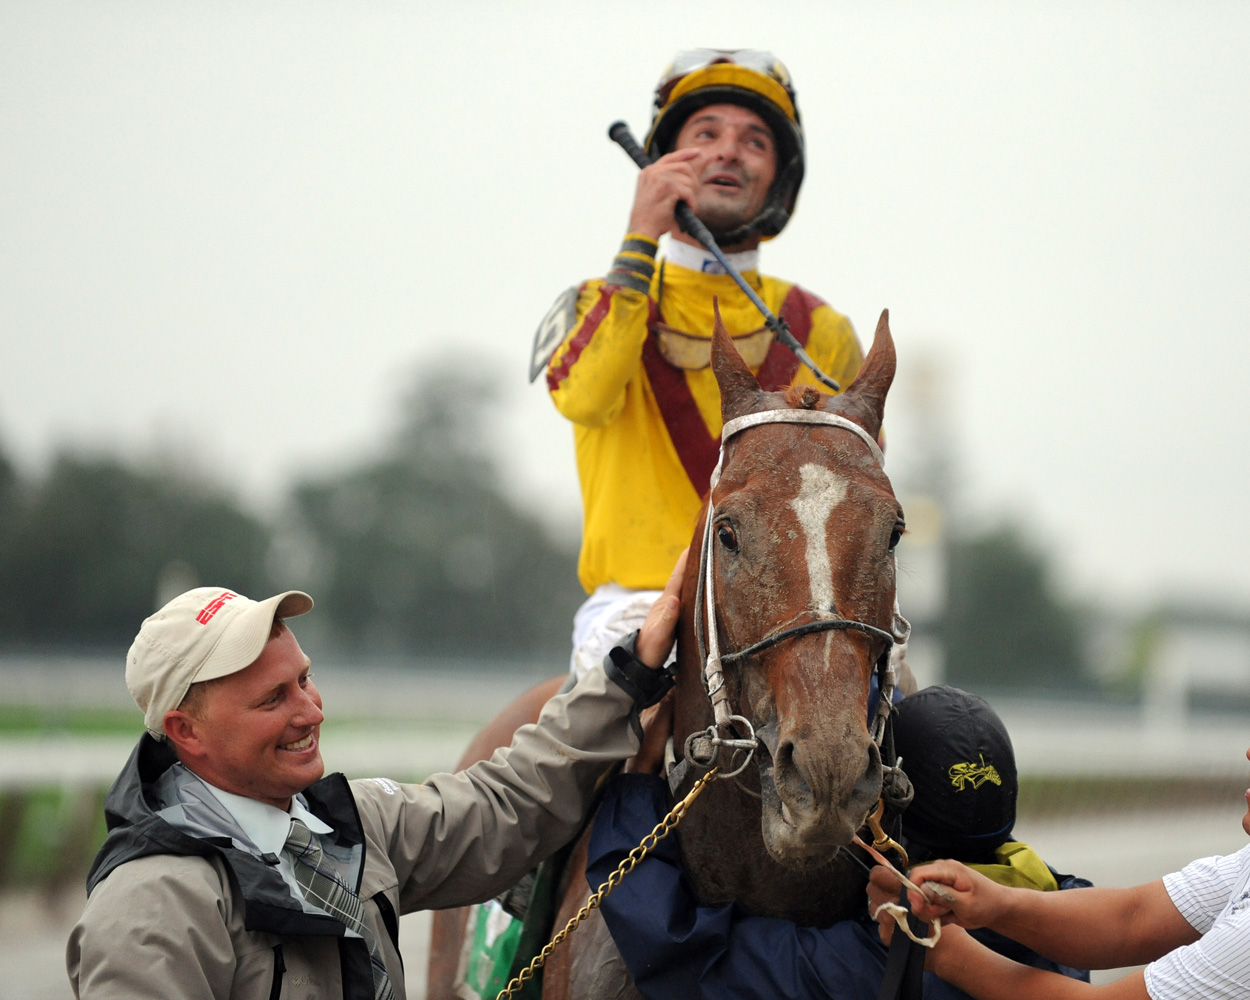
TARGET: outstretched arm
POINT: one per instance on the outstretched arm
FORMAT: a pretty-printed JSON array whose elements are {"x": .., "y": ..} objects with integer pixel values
[
  {"x": 1091, "y": 928},
  {"x": 462, "y": 838},
  {"x": 984, "y": 974}
]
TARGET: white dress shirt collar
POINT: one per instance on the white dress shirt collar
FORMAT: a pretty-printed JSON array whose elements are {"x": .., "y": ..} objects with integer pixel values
[{"x": 266, "y": 826}]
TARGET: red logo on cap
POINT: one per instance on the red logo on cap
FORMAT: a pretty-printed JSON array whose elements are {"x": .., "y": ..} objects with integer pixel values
[{"x": 212, "y": 607}]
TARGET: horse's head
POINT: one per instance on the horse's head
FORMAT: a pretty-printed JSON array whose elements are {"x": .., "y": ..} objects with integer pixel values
[{"x": 804, "y": 524}]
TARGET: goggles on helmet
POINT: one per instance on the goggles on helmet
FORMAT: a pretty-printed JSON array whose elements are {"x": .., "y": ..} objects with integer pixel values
[{"x": 751, "y": 69}]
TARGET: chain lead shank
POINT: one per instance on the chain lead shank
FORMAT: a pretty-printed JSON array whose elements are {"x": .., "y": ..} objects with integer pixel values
[{"x": 662, "y": 830}]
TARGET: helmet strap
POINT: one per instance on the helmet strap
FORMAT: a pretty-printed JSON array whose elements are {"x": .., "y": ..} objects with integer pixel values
[{"x": 766, "y": 220}]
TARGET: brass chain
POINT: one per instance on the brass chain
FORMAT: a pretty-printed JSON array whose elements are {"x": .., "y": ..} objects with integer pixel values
[{"x": 662, "y": 830}]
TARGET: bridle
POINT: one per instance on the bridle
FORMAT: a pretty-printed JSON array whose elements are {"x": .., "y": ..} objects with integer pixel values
[{"x": 705, "y": 601}]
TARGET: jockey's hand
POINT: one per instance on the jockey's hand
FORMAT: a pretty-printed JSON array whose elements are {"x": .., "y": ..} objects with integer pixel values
[
  {"x": 670, "y": 179},
  {"x": 905, "y": 679},
  {"x": 657, "y": 727},
  {"x": 883, "y": 887},
  {"x": 660, "y": 629}
]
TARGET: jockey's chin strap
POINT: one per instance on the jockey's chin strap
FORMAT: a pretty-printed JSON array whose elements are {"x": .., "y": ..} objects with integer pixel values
[{"x": 702, "y": 745}]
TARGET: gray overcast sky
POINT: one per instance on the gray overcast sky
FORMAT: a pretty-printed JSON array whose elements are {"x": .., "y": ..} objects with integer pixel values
[{"x": 238, "y": 228}]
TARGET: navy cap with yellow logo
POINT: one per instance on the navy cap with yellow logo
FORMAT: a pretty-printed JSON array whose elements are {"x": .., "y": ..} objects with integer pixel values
[{"x": 956, "y": 751}]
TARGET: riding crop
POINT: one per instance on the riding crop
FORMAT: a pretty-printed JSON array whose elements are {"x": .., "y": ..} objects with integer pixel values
[{"x": 619, "y": 133}]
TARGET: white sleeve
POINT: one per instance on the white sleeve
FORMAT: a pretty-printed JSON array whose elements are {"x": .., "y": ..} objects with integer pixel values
[
  {"x": 1214, "y": 896},
  {"x": 1203, "y": 888}
]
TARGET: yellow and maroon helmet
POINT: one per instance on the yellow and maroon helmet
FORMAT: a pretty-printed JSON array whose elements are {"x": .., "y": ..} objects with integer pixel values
[{"x": 753, "y": 79}]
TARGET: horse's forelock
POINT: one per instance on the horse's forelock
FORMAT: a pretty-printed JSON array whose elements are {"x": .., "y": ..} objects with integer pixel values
[{"x": 803, "y": 397}]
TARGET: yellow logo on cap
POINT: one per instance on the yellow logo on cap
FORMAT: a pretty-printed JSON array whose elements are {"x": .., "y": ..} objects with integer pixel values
[{"x": 976, "y": 775}]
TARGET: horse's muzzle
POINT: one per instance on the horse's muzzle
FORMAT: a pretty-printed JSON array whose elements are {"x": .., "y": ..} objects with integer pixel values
[{"x": 807, "y": 813}]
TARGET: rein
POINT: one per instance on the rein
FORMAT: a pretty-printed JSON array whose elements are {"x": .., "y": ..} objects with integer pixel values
[{"x": 701, "y": 746}]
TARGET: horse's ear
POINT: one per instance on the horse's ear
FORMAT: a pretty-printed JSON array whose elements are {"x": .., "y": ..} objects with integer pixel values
[
  {"x": 864, "y": 401},
  {"x": 739, "y": 391}
]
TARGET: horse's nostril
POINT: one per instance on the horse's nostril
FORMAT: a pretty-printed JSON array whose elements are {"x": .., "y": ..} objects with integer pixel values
[
  {"x": 785, "y": 756},
  {"x": 790, "y": 773}
]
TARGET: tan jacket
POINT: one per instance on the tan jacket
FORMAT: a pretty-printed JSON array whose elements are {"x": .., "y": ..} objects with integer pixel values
[{"x": 180, "y": 923}]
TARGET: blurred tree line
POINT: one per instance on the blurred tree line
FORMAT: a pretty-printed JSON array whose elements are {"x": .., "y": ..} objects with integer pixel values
[
  {"x": 417, "y": 550},
  {"x": 1006, "y": 625}
]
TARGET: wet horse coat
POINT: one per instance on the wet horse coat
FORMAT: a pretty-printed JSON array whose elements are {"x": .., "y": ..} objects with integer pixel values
[{"x": 803, "y": 530}]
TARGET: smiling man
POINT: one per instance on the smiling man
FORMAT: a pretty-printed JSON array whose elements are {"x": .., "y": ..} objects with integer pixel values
[
  {"x": 233, "y": 869},
  {"x": 633, "y": 371}
]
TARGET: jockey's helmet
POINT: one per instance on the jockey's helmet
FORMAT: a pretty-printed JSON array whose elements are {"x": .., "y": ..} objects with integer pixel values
[{"x": 753, "y": 79}]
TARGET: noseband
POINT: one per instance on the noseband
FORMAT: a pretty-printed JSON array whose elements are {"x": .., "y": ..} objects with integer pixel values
[{"x": 706, "y": 630}]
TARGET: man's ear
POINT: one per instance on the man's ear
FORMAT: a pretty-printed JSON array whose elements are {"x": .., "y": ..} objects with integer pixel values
[{"x": 183, "y": 731}]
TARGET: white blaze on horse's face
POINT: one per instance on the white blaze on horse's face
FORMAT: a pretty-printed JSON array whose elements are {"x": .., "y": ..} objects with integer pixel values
[{"x": 820, "y": 490}]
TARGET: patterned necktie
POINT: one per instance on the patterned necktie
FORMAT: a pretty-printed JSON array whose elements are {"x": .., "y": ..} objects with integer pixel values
[{"x": 322, "y": 888}]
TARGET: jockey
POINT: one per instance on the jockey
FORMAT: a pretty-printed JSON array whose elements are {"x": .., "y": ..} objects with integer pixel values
[
  {"x": 962, "y": 766},
  {"x": 633, "y": 371},
  {"x": 632, "y": 367}
]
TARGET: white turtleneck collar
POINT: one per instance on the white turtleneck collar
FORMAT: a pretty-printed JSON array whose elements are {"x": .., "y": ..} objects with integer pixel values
[{"x": 698, "y": 259}]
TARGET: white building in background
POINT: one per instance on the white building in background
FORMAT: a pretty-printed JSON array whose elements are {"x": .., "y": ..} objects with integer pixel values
[
  {"x": 1195, "y": 662},
  {"x": 920, "y": 447},
  {"x": 922, "y": 585}
]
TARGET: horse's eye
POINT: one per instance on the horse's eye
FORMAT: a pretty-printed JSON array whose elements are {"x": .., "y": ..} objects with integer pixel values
[
  {"x": 897, "y": 534},
  {"x": 725, "y": 534}
]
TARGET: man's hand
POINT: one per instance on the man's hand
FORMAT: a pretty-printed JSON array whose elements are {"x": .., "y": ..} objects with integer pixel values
[
  {"x": 655, "y": 639},
  {"x": 883, "y": 887},
  {"x": 670, "y": 179},
  {"x": 657, "y": 727},
  {"x": 951, "y": 890},
  {"x": 659, "y": 630}
]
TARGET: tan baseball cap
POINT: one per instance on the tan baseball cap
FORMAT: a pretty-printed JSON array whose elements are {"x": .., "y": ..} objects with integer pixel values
[{"x": 205, "y": 633}]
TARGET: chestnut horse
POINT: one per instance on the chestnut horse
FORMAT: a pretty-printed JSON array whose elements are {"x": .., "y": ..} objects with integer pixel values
[
  {"x": 795, "y": 585},
  {"x": 787, "y": 612}
]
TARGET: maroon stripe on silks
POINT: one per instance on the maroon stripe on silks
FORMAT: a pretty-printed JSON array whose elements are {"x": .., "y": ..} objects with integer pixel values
[
  {"x": 583, "y": 337},
  {"x": 780, "y": 363},
  {"x": 696, "y": 448}
]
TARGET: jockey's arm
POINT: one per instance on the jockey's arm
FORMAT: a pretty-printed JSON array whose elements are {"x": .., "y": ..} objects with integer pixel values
[{"x": 590, "y": 369}]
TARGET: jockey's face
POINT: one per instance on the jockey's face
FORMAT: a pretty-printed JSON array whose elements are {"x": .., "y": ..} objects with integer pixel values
[{"x": 737, "y": 167}]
